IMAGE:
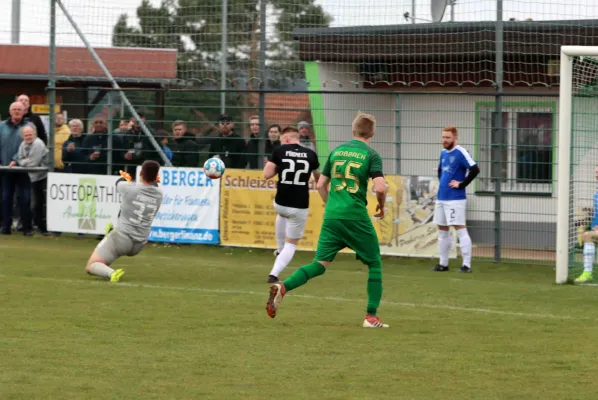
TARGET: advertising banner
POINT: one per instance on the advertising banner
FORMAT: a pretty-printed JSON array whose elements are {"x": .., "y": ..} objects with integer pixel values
[
  {"x": 247, "y": 216},
  {"x": 189, "y": 211}
]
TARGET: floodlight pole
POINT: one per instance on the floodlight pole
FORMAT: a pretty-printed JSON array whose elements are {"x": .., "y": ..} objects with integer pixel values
[
  {"x": 413, "y": 11},
  {"x": 453, "y": 2},
  {"x": 16, "y": 22},
  {"x": 224, "y": 56}
]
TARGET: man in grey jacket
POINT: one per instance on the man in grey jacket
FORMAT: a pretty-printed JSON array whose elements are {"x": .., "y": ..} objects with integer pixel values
[
  {"x": 10, "y": 140},
  {"x": 33, "y": 153}
]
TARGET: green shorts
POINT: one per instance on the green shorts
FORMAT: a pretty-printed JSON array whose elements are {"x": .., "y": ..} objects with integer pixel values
[{"x": 359, "y": 236}]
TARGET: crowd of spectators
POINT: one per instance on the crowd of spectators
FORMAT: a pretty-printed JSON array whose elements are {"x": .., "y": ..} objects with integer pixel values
[{"x": 98, "y": 150}]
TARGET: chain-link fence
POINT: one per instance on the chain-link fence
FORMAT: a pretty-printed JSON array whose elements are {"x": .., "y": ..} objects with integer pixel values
[{"x": 163, "y": 79}]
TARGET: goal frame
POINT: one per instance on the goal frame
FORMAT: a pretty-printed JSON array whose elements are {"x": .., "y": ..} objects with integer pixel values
[{"x": 564, "y": 156}]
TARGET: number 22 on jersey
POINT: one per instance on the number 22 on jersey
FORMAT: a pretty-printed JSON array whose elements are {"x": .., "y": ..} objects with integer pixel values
[
  {"x": 296, "y": 168},
  {"x": 341, "y": 169}
]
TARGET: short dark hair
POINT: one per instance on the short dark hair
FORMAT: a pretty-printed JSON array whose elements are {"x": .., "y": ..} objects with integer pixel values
[{"x": 149, "y": 171}]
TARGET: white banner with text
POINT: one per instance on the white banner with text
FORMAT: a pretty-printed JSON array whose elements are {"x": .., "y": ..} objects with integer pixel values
[{"x": 190, "y": 209}]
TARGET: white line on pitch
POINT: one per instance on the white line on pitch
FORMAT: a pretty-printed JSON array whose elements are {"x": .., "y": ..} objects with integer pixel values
[{"x": 304, "y": 296}]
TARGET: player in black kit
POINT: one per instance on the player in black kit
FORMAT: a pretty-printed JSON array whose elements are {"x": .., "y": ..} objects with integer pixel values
[{"x": 294, "y": 165}]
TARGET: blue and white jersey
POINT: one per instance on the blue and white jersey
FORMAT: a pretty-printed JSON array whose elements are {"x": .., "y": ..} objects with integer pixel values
[
  {"x": 453, "y": 165},
  {"x": 595, "y": 216}
]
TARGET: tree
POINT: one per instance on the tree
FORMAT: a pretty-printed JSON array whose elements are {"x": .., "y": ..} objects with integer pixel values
[{"x": 193, "y": 28}]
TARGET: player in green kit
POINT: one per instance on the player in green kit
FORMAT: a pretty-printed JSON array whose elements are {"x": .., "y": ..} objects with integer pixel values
[{"x": 346, "y": 219}]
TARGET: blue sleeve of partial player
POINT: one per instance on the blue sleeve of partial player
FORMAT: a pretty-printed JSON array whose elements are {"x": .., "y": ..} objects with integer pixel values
[{"x": 595, "y": 213}]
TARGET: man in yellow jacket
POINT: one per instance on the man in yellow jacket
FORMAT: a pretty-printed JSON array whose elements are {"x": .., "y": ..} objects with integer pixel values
[{"x": 61, "y": 135}]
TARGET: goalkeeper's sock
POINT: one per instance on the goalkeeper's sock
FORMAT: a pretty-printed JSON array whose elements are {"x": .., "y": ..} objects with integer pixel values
[
  {"x": 303, "y": 274},
  {"x": 465, "y": 242},
  {"x": 589, "y": 249},
  {"x": 100, "y": 269},
  {"x": 284, "y": 258},
  {"x": 374, "y": 288},
  {"x": 281, "y": 230},
  {"x": 444, "y": 247}
]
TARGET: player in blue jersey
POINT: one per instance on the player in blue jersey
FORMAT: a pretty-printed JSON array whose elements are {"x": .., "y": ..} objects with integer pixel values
[
  {"x": 456, "y": 170},
  {"x": 589, "y": 247}
]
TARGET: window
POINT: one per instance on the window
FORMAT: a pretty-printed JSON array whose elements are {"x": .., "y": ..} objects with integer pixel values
[{"x": 521, "y": 153}]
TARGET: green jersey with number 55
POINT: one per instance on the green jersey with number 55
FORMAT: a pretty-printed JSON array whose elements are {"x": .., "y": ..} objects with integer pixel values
[{"x": 349, "y": 167}]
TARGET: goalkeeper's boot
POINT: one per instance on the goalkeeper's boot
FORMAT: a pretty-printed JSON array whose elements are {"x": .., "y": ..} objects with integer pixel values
[
  {"x": 372, "y": 321},
  {"x": 109, "y": 227},
  {"x": 116, "y": 275},
  {"x": 440, "y": 268},
  {"x": 585, "y": 277},
  {"x": 277, "y": 292}
]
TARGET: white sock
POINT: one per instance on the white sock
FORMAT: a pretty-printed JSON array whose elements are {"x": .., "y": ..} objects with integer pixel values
[
  {"x": 283, "y": 259},
  {"x": 100, "y": 269},
  {"x": 281, "y": 232},
  {"x": 445, "y": 241},
  {"x": 589, "y": 249},
  {"x": 465, "y": 243}
]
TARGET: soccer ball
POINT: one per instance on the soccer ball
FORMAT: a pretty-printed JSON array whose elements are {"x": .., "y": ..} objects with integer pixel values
[{"x": 214, "y": 168}]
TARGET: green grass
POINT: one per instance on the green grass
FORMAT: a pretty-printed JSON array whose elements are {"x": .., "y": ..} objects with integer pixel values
[{"x": 189, "y": 322}]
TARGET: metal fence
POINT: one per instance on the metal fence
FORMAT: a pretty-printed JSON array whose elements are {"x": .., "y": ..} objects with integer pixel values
[
  {"x": 492, "y": 71},
  {"x": 408, "y": 139}
]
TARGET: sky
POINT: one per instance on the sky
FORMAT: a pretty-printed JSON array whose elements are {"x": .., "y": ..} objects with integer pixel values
[{"x": 97, "y": 17}]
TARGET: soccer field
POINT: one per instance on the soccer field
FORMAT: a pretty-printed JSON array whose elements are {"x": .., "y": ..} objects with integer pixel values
[{"x": 189, "y": 322}]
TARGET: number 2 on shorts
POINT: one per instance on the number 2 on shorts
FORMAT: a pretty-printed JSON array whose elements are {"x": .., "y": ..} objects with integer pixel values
[{"x": 345, "y": 175}]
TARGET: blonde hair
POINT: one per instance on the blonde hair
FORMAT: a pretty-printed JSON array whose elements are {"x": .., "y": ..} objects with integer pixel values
[
  {"x": 291, "y": 132},
  {"x": 179, "y": 122},
  {"x": 364, "y": 125}
]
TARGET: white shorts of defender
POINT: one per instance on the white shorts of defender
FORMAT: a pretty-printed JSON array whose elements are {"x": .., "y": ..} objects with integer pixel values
[
  {"x": 296, "y": 219},
  {"x": 450, "y": 212}
]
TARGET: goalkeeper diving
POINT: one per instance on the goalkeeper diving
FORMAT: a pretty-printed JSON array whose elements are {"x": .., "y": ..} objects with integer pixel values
[{"x": 140, "y": 202}]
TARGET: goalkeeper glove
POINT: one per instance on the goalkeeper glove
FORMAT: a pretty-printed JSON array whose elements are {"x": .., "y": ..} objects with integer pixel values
[{"x": 125, "y": 175}]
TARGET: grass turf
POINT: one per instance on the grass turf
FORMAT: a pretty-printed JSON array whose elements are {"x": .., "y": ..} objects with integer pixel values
[{"x": 189, "y": 322}]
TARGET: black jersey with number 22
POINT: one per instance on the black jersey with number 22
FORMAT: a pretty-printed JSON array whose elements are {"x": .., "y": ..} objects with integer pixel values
[{"x": 295, "y": 164}]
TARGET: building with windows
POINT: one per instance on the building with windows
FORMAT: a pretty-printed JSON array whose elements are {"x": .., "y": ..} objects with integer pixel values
[{"x": 417, "y": 78}]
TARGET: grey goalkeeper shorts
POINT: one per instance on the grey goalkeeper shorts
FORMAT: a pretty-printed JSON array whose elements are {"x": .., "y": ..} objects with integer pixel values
[{"x": 116, "y": 244}]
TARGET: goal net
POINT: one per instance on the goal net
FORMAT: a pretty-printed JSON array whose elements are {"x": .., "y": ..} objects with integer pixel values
[{"x": 578, "y": 162}]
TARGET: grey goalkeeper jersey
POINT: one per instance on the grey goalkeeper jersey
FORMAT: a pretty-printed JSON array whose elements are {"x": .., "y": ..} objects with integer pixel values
[{"x": 139, "y": 206}]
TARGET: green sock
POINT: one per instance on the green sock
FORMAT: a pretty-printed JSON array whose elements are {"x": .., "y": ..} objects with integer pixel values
[
  {"x": 374, "y": 288},
  {"x": 303, "y": 274}
]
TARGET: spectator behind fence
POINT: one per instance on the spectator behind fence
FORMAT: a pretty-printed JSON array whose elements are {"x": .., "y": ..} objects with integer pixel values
[
  {"x": 184, "y": 146},
  {"x": 33, "y": 118},
  {"x": 61, "y": 135},
  {"x": 227, "y": 145},
  {"x": 10, "y": 140},
  {"x": 273, "y": 139},
  {"x": 73, "y": 156},
  {"x": 95, "y": 149},
  {"x": 307, "y": 138},
  {"x": 33, "y": 153},
  {"x": 163, "y": 138},
  {"x": 253, "y": 142},
  {"x": 138, "y": 147}
]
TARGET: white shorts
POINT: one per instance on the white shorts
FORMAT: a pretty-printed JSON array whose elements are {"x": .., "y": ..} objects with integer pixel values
[
  {"x": 296, "y": 219},
  {"x": 450, "y": 212}
]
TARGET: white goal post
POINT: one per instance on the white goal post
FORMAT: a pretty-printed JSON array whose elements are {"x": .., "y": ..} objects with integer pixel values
[{"x": 565, "y": 228}]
